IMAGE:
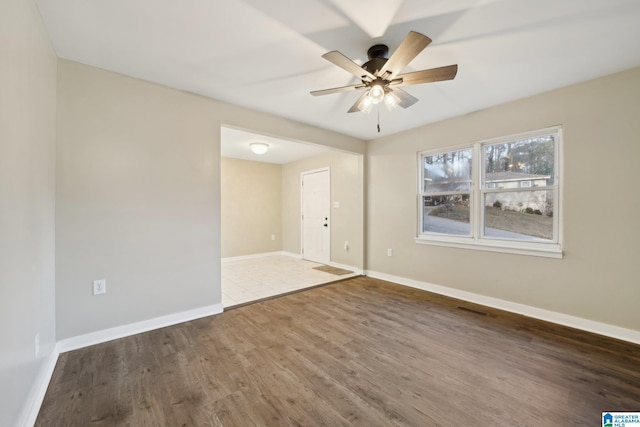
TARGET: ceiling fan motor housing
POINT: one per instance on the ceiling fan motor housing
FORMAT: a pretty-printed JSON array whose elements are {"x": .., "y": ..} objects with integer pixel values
[
  {"x": 378, "y": 56},
  {"x": 378, "y": 51}
]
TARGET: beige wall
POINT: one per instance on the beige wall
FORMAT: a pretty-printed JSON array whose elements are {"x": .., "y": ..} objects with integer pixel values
[
  {"x": 599, "y": 277},
  {"x": 138, "y": 196},
  {"x": 27, "y": 190},
  {"x": 251, "y": 207},
  {"x": 347, "y": 174}
]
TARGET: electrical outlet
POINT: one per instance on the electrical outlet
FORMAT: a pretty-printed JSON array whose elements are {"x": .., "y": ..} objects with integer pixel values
[
  {"x": 37, "y": 344},
  {"x": 346, "y": 245},
  {"x": 100, "y": 287},
  {"x": 389, "y": 252},
  {"x": 273, "y": 237}
]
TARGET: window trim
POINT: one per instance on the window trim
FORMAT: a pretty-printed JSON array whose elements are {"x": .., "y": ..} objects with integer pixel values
[{"x": 477, "y": 240}]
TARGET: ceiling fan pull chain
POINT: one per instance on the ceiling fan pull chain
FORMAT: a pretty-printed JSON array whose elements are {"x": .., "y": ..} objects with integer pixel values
[{"x": 378, "y": 119}]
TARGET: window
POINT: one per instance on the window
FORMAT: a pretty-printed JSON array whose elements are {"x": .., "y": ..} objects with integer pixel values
[
  {"x": 499, "y": 195},
  {"x": 446, "y": 192}
]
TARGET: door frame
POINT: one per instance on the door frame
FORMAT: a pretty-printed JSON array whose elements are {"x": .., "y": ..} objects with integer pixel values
[{"x": 302, "y": 174}]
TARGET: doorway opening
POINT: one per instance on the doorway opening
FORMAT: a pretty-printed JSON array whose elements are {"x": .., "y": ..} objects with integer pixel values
[{"x": 265, "y": 248}]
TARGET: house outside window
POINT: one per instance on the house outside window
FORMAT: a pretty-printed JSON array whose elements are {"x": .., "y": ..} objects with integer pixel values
[{"x": 499, "y": 195}]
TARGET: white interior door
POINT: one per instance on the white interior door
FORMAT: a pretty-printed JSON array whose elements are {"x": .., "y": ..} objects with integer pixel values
[{"x": 316, "y": 235}]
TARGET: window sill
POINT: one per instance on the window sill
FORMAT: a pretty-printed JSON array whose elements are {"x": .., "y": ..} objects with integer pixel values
[{"x": 547, "y": 250}]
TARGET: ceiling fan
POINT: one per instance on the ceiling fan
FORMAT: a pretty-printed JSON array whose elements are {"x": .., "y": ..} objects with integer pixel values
[{"x": 381, "y": 76}]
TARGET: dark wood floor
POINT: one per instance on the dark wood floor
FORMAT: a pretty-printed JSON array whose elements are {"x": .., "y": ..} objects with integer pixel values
[{"x": 358, "y": 352}]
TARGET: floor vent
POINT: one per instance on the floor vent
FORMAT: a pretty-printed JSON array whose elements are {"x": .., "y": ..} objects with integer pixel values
[{"x": 471, "y": 310}]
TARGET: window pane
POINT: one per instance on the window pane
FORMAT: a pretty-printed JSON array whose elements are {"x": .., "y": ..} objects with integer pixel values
[
  {"x": 447, "y": 171},
  {"x": 524, "y": 163},
  {"x": 446, "y": 214},
  {"x": 520, "y": 215}
]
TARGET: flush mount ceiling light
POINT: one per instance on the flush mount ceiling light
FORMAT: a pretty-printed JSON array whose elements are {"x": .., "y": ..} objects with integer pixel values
[{"x": 259, "y": 147}]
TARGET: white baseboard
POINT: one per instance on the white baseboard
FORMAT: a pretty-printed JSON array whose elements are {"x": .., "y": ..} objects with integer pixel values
[
  {"x": 32, "y": 405},
  {"x": 105, "y": 335},
  {"x": 252, "y": 256},
  {"x": 600, "y": 328},
  {"x": 292, "y": 255}
]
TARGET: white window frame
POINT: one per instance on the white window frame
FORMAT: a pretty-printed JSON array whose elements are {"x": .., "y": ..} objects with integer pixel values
[{"x": 477, "y": 240}]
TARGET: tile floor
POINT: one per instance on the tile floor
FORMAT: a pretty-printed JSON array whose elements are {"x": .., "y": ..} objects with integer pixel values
[{"x": 253, "y": 279}]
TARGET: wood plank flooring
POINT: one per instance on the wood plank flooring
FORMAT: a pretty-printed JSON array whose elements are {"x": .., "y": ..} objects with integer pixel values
[{"x": 359, "y": 352}]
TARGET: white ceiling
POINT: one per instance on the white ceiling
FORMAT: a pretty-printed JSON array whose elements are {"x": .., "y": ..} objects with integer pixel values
[{"x": 266, "y": 55}]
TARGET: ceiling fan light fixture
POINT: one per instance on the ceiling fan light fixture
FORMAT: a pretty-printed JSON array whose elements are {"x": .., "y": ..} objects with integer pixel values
[
  {"x": 366, "y": 105},
  {"x": 391, "y": 101},
  {"x": 259, "y": 147},
  {"x": 376, "y": 93}
]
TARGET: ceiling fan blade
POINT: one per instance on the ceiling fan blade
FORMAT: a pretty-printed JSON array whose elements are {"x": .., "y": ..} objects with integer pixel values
[
  {"x": 406, "y": 100},
  {"x": 410, "y": 47},
  {"x": 356, "y": 106},
  {"x": 337, "y": 90},
  {"x": 427, "y": 76},
  {"x": 346, "y": 64}
]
